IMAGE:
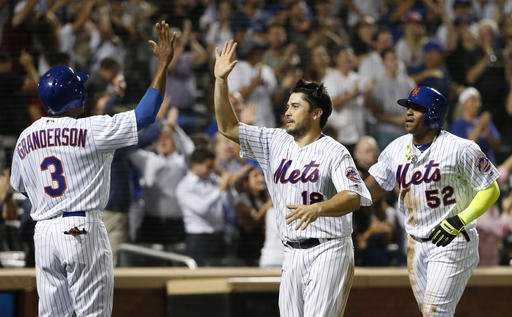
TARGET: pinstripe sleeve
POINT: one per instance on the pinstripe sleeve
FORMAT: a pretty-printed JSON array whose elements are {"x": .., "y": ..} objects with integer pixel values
[
  {"x": 110, "y": 133},
  {"x": 346, "y": 177},
  {"x": 476, "y": 167},
  {"x": 255, "y": 143},
  {"x": 382, "y": 171},
  {"x": 16, "y": 179}
]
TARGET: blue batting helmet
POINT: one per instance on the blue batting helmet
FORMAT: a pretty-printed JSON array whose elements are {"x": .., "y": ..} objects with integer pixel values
[
  {"x": 433, "y": 101},
  {"x": 62, "y": 89}
]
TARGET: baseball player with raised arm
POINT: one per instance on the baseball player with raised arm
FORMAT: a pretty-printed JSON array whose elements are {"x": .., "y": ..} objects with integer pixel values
[
  {"x": 314, "y": 185},
  {"x": 444, "y": 183},
  {"x": 63, "y": 165}
]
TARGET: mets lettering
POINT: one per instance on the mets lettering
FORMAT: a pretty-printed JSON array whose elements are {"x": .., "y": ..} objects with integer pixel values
[
  {"x": 51, "y": 137},
  {"x": 310, "y": 173},
  {"x": 418, "y": 177}
]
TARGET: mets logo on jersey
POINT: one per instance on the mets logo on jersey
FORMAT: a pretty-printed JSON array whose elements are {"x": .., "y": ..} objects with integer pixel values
[
  {"x": 483, "y": 164},
  {"x": 352, "y": 174}
]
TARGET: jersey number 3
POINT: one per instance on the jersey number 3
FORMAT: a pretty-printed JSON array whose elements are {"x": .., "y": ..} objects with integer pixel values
[{"x": 57, "y": 175}]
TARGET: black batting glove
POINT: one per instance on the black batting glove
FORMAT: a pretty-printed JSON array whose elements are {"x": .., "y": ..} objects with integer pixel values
[{"x": 447, "y": 230}]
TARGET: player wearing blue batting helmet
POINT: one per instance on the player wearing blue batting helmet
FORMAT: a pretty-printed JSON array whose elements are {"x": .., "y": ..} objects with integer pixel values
[
  {"x": 62, "y": 89},
  {"x": 432, "y": 101}
]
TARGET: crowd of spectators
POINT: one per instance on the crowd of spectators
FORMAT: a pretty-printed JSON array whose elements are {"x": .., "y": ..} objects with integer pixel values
[{"x": 184, "y": 187}]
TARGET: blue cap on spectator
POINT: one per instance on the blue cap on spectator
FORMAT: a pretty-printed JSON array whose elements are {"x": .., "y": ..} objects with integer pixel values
[{"x": 434, "y": 46}]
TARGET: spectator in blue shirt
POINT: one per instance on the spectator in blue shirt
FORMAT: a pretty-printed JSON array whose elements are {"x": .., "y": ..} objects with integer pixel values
[{"x": 474, "y": 125}]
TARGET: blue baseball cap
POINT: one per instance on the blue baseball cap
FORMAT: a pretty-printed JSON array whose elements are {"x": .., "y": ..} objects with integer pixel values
[{"x": 434, "y": 46}]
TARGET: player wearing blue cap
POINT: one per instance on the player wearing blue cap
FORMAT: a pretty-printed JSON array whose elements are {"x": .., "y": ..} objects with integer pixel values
[
  {"x": 445, "y": 183},
  {"x": 63, "y": 165}
]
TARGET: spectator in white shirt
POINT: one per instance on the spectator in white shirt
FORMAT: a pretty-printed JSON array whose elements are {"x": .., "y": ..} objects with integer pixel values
[
  {"x": 346, "y": 90},
  {"x": 372, "y": 66},
  {"x": 220, "y": 31},
  {"x": 203, "y": 197},
  {"x": 382, "y": 98},
  {"x": 255, "y": 82},
  {"x": 161, "y": 173}
]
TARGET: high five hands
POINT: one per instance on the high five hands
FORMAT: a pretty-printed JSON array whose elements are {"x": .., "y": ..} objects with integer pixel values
[
  {"x": 225, "y": 60},
  {"x": 164, "y": 49}
]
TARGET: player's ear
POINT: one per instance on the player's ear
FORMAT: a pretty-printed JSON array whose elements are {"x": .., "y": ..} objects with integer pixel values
[{"x": 317, "y": 113}]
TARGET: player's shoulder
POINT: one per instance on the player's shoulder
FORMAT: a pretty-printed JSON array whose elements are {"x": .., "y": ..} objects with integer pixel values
[
  {"x": 98, "y": 117},
  {"x": 102, "y": 119},
  {"x": 333, "y": 146},
  {"x": 454, "y": 142},
  {"x": 254, "y": 129}
]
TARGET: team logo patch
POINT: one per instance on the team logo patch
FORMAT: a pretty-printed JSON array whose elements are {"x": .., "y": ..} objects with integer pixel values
[
  {"x": 353, "y": 175},
  {"x": 415, "y": 91},
  {"x": 483, "y": 164}
]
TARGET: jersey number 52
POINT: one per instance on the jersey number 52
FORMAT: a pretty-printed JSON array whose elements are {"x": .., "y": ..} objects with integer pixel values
[
  {"x": 434, "y": 201},
  {"x": 57, "y": 176}
]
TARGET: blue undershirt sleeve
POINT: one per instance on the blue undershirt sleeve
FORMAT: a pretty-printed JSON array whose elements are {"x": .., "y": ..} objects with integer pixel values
[{"x": 146, "y": 110}]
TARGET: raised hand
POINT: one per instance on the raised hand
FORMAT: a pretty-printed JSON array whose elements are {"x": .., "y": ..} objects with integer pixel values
[
  {"x": 225, "y": 60},
  {"x": 164, "y": 49}
]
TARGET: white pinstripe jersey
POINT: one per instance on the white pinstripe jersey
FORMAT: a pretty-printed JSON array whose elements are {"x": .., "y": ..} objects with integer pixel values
[
  {"x": 441, "y": 183},
  {"x": 299, "y": 176},
  {"x": 63, "y": 164}
]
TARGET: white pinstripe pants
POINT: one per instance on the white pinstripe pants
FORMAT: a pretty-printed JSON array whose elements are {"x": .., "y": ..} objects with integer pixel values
[
  {"x": 73, "y": 273},
  {"x": 316, "y": 282},
  {"x": 438, "y": 275}
]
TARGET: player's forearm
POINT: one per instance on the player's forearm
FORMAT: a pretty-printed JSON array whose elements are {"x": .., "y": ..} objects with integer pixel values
[
  {"x": 376, "y": 191},
  {"x": 482, "y": 201},
  {"x": 146, "y": 110},
  {"x": 160, "y": 76},
  {"x": 226, "y": 118},
  {"x": 341, "y": 204}
]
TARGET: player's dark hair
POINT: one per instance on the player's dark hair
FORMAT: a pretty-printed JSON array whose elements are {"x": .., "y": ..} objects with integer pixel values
[
  {"x": 200, "y": 155},
  {"x": 317, "y": 97}
]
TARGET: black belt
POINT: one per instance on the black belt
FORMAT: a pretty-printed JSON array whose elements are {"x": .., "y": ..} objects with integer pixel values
[
  {"x": 304, "y": 244},
  {"x": 73, "y": 214},
  {"x": 417, "y": 239}
]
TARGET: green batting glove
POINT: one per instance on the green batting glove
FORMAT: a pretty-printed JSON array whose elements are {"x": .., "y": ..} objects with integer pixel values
[{"x": 446, "y": 231}]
